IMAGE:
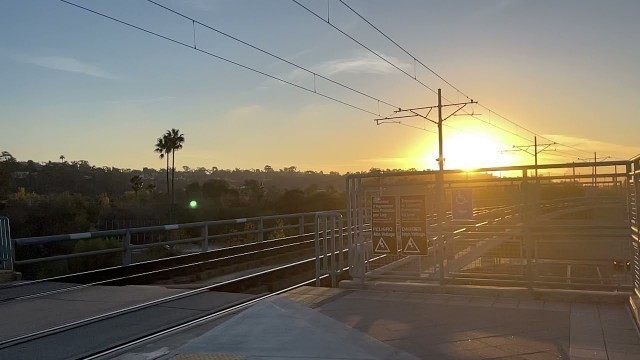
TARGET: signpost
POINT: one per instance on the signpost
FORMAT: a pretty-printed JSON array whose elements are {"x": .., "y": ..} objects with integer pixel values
[
  {"x": 461, "y": 204},
  {"x": 383, "y": 224},
  {"x": 413, "y": 225}
]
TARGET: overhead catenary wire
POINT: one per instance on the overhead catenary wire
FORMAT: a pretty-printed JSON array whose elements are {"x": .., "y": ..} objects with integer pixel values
[
  {"x": 246, "y": 67},
  {"x": 194, "y": 21},
  {"x": 409, "y": 75},
  {"x": 415, "y": 127},
  {"x": 365, "y": 46},
  {"x": 416, "y": 60}
]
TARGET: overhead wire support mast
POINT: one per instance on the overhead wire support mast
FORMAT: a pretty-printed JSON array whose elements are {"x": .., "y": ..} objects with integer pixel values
[
  {"x": 594, "y": 171},
  {"x": 537, "y": 149},
  {"x": 440, "y": 174},
  {"x": 439, "y": 122},
  {"x": 414, "y": 77}
]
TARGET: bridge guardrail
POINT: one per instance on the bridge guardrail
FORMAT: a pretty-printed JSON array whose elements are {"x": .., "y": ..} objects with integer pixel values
[{"x": 226, "y": 234}]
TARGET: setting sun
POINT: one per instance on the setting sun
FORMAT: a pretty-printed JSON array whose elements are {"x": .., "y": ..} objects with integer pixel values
[{"x": 469, "y": 151}]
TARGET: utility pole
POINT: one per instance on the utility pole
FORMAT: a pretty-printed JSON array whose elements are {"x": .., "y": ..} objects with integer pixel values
[
  {"x": 537, "y": 149},
  {"x": 413, "y": 112},
  {"x": 594, "y": 170}
]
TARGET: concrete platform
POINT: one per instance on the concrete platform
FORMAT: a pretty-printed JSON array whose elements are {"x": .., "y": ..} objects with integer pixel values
[
  {"x": 326, "y": 323},
  {"x": 357, "y": 324},
  {"x": 283, "y": 329}
]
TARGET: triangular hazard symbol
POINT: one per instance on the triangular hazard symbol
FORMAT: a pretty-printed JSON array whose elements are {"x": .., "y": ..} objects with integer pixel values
[
  {"x": 382, "y": 247},
  {"x": 411, "y": 247}
]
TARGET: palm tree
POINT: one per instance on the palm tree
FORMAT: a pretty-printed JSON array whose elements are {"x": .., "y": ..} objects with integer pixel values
[
  {"x": 163, "y": 149},
  {"x": 62, "y": 158},
  {"x": 136, "y": 184},
  {"x": 175, "y": 140}
]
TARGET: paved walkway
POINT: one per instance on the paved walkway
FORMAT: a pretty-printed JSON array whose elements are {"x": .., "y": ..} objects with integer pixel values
[
  {"x": 424, "y": 326},
  {"x": 434, "y": 326}
]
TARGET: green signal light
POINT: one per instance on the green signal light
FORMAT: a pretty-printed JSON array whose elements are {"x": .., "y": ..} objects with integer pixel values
[{"x": 193, "y": 204}]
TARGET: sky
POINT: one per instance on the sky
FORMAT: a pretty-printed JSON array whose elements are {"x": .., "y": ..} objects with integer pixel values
[{"x": 76, "y": 84}]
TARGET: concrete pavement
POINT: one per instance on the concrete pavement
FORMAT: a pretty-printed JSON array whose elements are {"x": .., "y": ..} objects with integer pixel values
[{"x": 423, "y": 326}]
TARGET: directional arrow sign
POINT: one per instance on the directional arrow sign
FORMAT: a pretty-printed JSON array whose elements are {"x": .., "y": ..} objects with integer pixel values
[{"x": 383, "y": 224}]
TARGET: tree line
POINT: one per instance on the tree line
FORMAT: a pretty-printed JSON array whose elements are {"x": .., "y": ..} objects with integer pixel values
[{"x": 75, "y": 196}]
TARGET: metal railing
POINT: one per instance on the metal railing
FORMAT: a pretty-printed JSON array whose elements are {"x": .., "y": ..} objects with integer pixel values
[
  {"x": 6, "y": 245},
  {"x": 633, "y": 170},
  {"x": 567, "y": 229},
  {"x": 330, "y": 245},
  {"x": 133, "y": 244}
]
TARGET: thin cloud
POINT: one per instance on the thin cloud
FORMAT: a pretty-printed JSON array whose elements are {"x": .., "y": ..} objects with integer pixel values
[
  {"x": 587, "y": 146},
  {"x": 68, "y": 64},
  {"x": 361, "y": 63}
]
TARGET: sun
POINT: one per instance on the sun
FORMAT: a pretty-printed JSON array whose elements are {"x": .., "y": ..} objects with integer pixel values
[{"x": 468, "y": 151}]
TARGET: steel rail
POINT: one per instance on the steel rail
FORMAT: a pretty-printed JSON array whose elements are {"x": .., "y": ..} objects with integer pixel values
[
  {"x": 120, "y": 348},
  {"x": 154, "y": 263},
  {"x": 112, "y": 314}
]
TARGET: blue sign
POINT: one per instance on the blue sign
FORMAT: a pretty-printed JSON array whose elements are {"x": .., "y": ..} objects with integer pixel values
[{"x": 461, "y": 204}]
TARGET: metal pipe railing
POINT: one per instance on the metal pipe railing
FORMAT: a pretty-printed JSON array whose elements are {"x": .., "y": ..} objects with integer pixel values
[{"x": 172, "y": 236}]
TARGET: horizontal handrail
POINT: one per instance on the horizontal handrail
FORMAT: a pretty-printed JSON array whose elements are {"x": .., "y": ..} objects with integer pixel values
[{"x": 123, "y": 237}]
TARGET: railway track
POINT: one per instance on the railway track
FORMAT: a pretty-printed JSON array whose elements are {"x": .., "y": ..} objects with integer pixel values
[
  {"x": 100, "y": 335},
  {"x": 210, "y": 263}
]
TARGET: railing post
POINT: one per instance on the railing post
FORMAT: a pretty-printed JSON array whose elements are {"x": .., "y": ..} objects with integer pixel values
[
  {"x": 527, "y": 238},
  {"x": 205, "y": 237},
  {"x": 260, "y": 236},
  {"x": 301, "y": 225},
  {"x": 634, "y": 215},
  {"x": 316, "y": 230},
  {"x": 333, "y": 250},
  {"x": 126, "y": 245},
  {"x": 7, "y": 247}
]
